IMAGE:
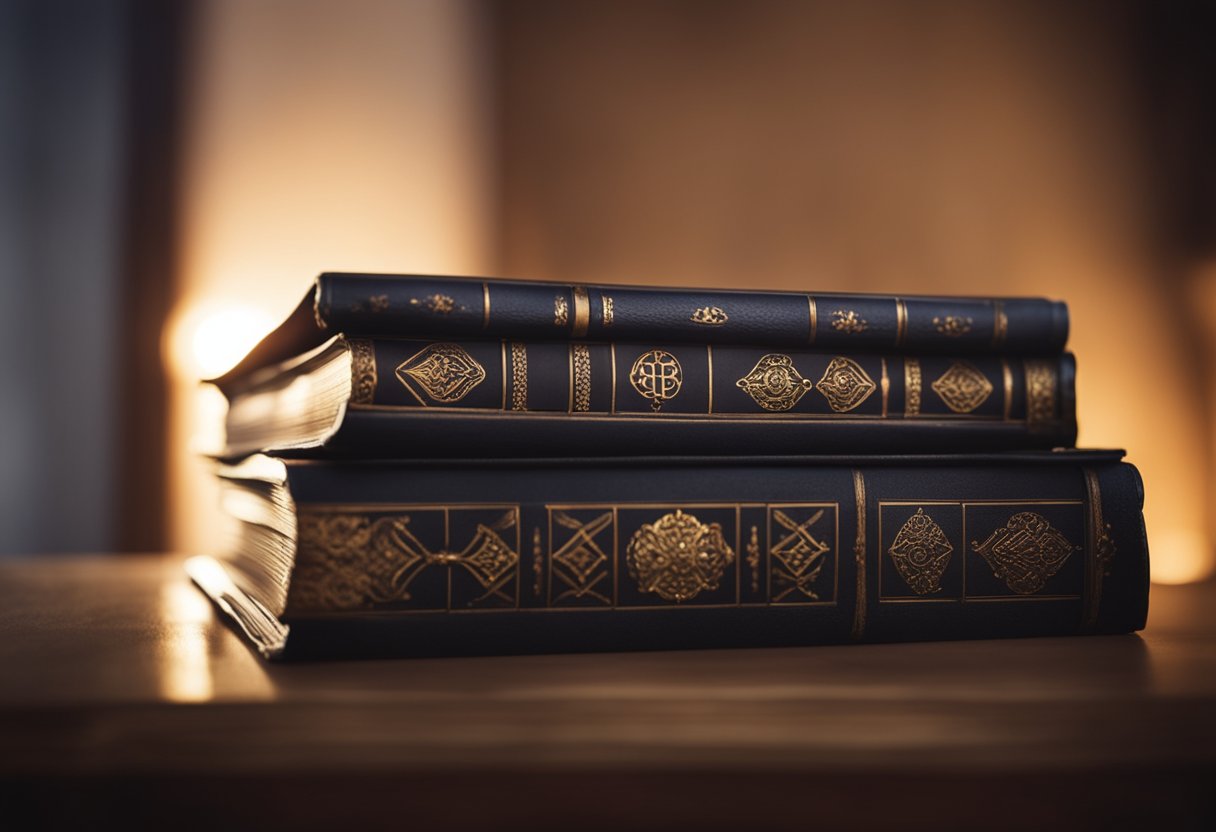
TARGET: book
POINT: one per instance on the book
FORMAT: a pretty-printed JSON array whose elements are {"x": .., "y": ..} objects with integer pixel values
[
  {"x": 408, "y": 398},
  {"x": 364, "y": 558},
  {"x": 419, "y": 306}
]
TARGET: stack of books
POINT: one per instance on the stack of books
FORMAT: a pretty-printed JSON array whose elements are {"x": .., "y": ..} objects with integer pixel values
[{"x": 436, "y": 466}]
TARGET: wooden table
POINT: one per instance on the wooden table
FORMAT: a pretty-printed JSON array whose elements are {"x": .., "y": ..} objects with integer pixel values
[{"x": 124, "y": 697}]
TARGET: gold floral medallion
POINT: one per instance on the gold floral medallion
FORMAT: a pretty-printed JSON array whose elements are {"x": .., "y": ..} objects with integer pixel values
[
  {"x": 774, "y": 383},
  {"x": 921, "y": 553},
  {"x": 1026, "y": 552},
  {"x": 845, "y": 384},
  {"x": 677, "y": 557}
]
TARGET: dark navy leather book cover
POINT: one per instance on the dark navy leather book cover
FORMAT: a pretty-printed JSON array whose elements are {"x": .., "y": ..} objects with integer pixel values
[
  {"x": 456, "y": 308},
  {"x": 415, "y": 305},
  {"x": 494, "y": 556}
]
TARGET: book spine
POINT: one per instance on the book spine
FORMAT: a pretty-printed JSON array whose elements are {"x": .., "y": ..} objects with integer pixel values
[
  {"x": 465, "y": 559},
  {"x": 417, "y": 306},
  {"x": 1013, "y": 401}
]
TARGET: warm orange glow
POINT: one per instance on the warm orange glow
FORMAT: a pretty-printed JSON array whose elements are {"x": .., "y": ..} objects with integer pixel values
[
  {"x": 1180, "y": 556},
  {"x": 321, "y": 136},
  {"x": 185, "y": 665},
  {"x": 209, "y": 339}
]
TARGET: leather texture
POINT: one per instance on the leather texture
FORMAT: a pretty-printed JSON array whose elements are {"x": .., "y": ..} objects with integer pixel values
[
  {"x": 803, "y": 550},
  {"x": 417, "y": 306}
]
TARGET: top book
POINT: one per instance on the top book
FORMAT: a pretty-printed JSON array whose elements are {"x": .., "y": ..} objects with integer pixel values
[{"x": 422, "y": 306}]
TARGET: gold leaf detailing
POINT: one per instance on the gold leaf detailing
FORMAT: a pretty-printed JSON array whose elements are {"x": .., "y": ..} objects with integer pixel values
[
  {"x": 859, "y": 556},
  {"x": 582, "y": 312},
  {"x": 753, "y": 558},
  {"x": 710, "y": 316},
  {"x": 445, "y": 372},
  {"x": 561, "y": 311},
  {"x": 538, "y": 562},
  {"x": 362, "y": 371},
  {"x": 1103, "y": 551},
  {"x": 1000, "y": 324},
  {"x": 436, "y": 304},
  {"x": 606, "y": 305},
  {"x": 774, "y": 383},
  {"x": 657, "y": 377},
  {"x": 1026, "y": 552},
  {"x": 582, "y": 378},
  {"x": 846, "y": 320},
  {"x": 962, "y": 387},
  {"x": 1040, "y": 391},
  {"x": 921, "y": 553},
  {"x": 581, "y": 563},
  {"x": 952, "y": 326},
  {"x": 911, "y": 387},
  {"x": 800, "y": 556},
  {"x": 519, "y": 376},
  {"x": 380, "y": 303},
  {"x": 350, "y": 561},
  {"x": 845, "y": 384},
  {"x": 677, "y": 557}
]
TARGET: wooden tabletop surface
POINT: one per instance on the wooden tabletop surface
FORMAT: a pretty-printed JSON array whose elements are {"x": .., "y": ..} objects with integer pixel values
[{"x": 121, "y": 688}]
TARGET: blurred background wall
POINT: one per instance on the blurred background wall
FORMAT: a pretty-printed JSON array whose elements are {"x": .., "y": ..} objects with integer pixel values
[{"x": 945, "y": 146}]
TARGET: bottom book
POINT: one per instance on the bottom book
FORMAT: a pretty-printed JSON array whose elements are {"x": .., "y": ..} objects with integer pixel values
[{"x": 350, "y": 559}]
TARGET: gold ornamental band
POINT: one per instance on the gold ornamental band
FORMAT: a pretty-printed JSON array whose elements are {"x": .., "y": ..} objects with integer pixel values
[
  {"x": 901, "y": 322},
  {"x": 859, "y": 555},
  {"x": 1101, "y": 551},
  {"x": 1000, "y": 324},
  {"x": 582, "y": 312},
  {"x": 363, "y": 371},
  {"x": 814, "y": 312},
  {"x": 1007, "y": 378}
]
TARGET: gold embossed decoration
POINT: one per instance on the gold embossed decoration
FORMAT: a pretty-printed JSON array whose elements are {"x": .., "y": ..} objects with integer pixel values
[
  {"x": 710, "y": 316},
  {"x": 1040, "y": 391},
  {"x": 581, "y": 563},
  {"x": 774, "y": 383},
  {"x": 921, "y": 553},
  {"x": 362, "y": 371},
  {"x": 962, "y": 387},
  {"x": 351, "y": 561},
  {"x": 436, "y": 304},
  {"x": 753, "y": 558},
  {"x": 1026, "y": 552},
  {"x": 798, "y": 556},
  {"x": 519, "y": 376},
  {"x": 848, "y": 321},
  {"x": 581, "y": 367},
  {"x": 607, "y": 305},
  {"x": 444, "y": 372},
  {"x": 561, "y": 311},
  {"x": 677, "y": 557},
  {"x": 657, "y": 377},
  {"x": 911, "y": 387},
  {"x": 952, "y": 326},
  {"x": 845, "y": 384}
]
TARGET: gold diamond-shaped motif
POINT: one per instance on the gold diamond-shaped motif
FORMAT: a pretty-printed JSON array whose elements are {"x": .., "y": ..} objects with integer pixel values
[
  {"x": 489, "y": 557},
  {"x": 963, "y": 388},
  {"x": 678, "y": 556},
  {"x": 1026, "y": 552},
  {"x": 774, "y": 383},
  {"x": 799, "y": 557},
  {"x": 845, "y": 384},
  {"x": 444, "y": 372},
  {"x": 921, "y": 553},
  {"x": 582, "y": 558},
  {"x": 800, "y": 549}
]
